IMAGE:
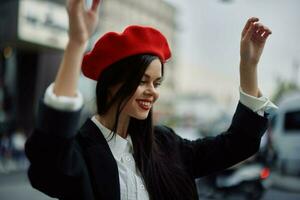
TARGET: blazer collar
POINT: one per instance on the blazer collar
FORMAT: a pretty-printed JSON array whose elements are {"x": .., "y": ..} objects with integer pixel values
[
  {"x": 117, "y": 144},
  {"x": 100, "y": 161}
]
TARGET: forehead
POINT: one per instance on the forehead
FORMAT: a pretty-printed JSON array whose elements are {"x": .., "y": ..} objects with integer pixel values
[{"x": 154, "y": 69}]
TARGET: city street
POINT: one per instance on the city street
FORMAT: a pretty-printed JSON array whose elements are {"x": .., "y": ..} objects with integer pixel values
[
  {"x": 226, "y": 72},
  {"x": 16, "y": 187}
]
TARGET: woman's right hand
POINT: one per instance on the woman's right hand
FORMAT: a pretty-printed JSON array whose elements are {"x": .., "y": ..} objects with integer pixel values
[
  {"x": 82, "y": 21},
  {"x": 82, "y": 24}
]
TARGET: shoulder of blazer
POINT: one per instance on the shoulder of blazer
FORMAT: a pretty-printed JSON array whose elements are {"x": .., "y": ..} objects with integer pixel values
[
  {"x": 163, "y": 130},
  {"x": 166, "y": 135},
  {"x": 89, "y": 135}
]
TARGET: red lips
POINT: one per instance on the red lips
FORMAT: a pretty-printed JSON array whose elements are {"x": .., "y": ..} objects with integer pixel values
[{"x": 145, "y": 104}]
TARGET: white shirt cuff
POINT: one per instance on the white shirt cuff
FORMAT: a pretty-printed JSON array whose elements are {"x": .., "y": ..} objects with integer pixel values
[
  {"x": 257, "y": 104},
  {"x": 62, "y": 102}
]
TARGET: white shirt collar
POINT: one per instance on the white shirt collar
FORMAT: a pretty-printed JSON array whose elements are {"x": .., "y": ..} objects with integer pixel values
[{"x": 117, "y": 144}]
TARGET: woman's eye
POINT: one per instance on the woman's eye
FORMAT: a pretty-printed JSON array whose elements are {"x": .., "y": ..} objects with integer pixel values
[
  {"x": 157, "y": 85},
  {"x": 142, "y": 82}
]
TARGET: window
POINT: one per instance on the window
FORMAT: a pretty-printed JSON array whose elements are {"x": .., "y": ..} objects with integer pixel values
[{"x": 292, "y": 121}]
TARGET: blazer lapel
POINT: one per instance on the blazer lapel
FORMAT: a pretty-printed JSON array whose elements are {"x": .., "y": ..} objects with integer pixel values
[{"x": 101, "y": 163}]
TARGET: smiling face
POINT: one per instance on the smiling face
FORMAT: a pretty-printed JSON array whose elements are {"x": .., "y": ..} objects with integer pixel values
[{"x": 140, "y": 103}]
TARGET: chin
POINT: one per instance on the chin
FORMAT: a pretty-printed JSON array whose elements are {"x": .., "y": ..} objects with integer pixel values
[{"x": 141, "y": 116}]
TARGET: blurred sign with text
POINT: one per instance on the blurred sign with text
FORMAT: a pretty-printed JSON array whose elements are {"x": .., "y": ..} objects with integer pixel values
[{"x": 43, "y": 22}]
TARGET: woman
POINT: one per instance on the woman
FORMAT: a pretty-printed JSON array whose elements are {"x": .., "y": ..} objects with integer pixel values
[{"x": 118, "y": 154}]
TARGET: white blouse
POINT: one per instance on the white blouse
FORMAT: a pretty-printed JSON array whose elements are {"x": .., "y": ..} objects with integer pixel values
[{"x": 131, "y": 183}]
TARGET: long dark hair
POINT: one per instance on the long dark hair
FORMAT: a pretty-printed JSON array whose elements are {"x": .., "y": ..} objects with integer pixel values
[{"x": 163, "y": 175}]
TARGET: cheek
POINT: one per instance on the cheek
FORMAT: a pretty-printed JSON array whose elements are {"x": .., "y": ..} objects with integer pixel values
[{"x": 132, "y": 102}]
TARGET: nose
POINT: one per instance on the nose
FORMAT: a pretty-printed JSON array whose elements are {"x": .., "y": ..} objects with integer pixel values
[{"x": 151, "y": 91}]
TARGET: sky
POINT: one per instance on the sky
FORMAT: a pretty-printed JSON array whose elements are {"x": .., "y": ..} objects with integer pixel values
[{"x": 209, "y": 35}]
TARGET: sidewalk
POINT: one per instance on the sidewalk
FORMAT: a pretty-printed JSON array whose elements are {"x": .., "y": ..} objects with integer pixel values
[
  {"x": 15, "y": 186},
  {"x": 12, "y": 178},
  {"x": 288, "y": 183},
  {"x": 10, "y": 165}
]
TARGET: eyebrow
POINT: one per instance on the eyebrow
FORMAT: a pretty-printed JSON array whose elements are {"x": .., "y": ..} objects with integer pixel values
[{"x": 158, "y": 79}]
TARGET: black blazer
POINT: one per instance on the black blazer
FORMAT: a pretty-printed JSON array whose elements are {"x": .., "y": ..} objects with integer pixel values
[{"x": 69, "y": 164}]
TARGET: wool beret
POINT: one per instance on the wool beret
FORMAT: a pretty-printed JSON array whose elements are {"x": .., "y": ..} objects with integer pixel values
[{"x": 112, "y": 47}]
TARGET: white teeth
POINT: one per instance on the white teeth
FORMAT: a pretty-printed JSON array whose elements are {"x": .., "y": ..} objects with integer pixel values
[{"x": 145, "y": 103}]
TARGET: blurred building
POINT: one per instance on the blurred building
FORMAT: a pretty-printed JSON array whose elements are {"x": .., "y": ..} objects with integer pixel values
[
  {"x": 33, "y": 34},
  {"x": 32, "y": 37}
]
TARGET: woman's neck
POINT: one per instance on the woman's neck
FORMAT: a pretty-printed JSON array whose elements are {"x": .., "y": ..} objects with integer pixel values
[{"x": 108, "y": 121}]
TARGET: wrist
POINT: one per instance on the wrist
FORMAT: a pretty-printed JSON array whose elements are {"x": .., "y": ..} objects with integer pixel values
[
  {"x": 248, "y": 65},
  {"x": 74, "y": 44},
  {"x": 250, "y": 90},
  {"x": 248, "y": 79},
  {"x": 248, "y": 83}
]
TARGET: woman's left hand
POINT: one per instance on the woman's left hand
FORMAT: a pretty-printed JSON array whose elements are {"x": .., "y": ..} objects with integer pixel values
[
  {"x": 254, "y": 36},
  {"x": 253, "y": 40}
]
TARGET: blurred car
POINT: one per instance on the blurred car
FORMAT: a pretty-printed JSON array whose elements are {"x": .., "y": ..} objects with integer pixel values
[{"x": 285, "y": 130}]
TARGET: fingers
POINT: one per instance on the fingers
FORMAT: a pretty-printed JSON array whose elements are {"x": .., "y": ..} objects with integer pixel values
[
  {"x": 95, "y": 5},
  {"x": 74, "y": 5},
  {"x": 261, "y": 32},
  {"x": 255, "y": 30},
  {"x": 249, "y": 32},
  {"x": 266, "y": 33},
  {"x": 248, "y": 24}
]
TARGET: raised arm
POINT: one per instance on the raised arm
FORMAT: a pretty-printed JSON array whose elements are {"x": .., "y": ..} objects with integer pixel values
[
  {"x": 254, "y": 36},
  {"x": 82, "y": 24}
]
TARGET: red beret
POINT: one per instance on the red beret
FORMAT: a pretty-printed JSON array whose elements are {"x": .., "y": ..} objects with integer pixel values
[{"x": 113, "y": 47}]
